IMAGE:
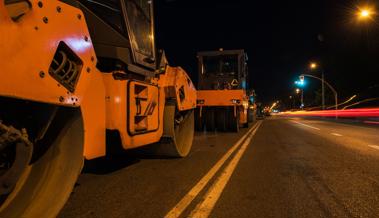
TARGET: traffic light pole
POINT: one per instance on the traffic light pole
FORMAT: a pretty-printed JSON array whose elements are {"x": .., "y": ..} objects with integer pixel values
[{"x": 325, "y": 82}]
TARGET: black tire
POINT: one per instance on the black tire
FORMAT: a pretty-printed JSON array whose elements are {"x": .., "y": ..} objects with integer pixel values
[
  {"x": 199, "y": 121},
  {"x": 232, "y": 121},
  {"x": 220, "y": 119},
  {"x": 210, "y": 120},
  {"x": 250, "y": 115},
  {"x": 246, "y": 125},
  {"x": 248, "y": 119}
]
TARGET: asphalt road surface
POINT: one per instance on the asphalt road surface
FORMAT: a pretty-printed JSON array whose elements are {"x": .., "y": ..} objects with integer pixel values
[{"x": 280, "y": 167}]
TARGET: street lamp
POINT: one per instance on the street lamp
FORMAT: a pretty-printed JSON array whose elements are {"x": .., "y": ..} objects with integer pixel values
[
  {"x": 313, "y": 65},
  {"x": 365, "y": 13}
]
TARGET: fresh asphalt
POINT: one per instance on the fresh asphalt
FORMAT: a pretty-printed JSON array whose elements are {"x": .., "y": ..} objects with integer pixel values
[{"x": 292, "y": 167}]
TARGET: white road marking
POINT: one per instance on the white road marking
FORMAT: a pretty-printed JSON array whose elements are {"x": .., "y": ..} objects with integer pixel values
[
  {"x": 374, "y": 146},
  {"x": 312, "y": 127},
  {"x": 188, "y": 198},
  {"x": 204, "y": 208},
  {"x": 336, "y": 134}
]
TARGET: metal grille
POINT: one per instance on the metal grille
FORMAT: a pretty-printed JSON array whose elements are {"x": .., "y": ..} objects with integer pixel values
[{"x": 66, "y": 67}]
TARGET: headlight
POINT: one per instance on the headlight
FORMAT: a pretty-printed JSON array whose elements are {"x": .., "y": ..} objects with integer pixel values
[
  {"x": 200, "y": 101},
  {"x": 236, "y": 101}
]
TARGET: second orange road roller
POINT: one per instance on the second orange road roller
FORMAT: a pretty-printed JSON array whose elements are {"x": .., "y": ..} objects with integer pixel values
[
  {"x": 223, "y": 99},
  {"x": 76, "y": 74}
]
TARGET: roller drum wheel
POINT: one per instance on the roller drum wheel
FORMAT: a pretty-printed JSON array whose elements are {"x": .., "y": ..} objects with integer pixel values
[
  {"x": 178, "y": 133},
  {"x": 45, "y": 185}
]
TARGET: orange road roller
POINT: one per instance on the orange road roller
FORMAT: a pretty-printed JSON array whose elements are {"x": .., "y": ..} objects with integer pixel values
[
  {"x": 223, "y": 102},
  {"x": 75, "y": 73}
]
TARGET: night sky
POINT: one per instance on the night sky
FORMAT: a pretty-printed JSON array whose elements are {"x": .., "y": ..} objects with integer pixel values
[{"x": 280, "y": 37}]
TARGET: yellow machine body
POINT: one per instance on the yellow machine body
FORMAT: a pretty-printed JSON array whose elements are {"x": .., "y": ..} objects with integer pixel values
[
  {"x": 225, "y": 98},
  {"x": 49, "y": 62},
  {"x": 136, "y": 109}
]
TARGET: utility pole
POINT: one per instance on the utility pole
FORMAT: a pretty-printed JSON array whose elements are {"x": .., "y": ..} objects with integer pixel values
[{"x": 323, "y": 90}]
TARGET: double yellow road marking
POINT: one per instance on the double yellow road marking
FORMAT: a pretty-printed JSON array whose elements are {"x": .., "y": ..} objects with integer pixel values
[{"x": 205, "y": 207}]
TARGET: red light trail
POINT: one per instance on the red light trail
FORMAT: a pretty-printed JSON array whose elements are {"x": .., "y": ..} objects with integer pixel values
[{"x": 362, "y": 112}]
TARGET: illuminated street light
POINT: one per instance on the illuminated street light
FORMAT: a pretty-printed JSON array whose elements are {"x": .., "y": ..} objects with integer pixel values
[
  {"x": 313, "y": 65},
  {"x": 298, "y": 91},
  {"x": 365, "y": 13}
]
